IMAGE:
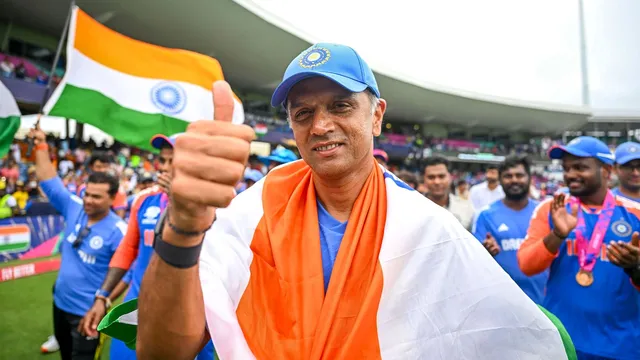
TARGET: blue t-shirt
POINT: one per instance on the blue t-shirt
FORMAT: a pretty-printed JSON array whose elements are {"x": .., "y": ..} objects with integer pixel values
[
  {"x": 331, "y": 233},
  {"x": 617, "y": 192},
  {"x": 82, "y": 269},
  {"x": 509, "y": 228},
  {"x": 602, "y": 319},
  {"x": 147, "y": 212}
]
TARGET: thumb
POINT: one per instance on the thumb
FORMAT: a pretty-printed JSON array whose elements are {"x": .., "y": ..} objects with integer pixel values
[
  {"x": 223, "y": 102},
  {"x": 489, "y": 236},
  {"x": 635, "y": 239}
]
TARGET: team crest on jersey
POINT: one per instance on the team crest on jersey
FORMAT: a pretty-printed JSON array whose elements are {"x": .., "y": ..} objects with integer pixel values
[
  {"x": 151, "y": 215},
  {"x": 96, "y": 242},
  {"x": 621, "y": 228}
]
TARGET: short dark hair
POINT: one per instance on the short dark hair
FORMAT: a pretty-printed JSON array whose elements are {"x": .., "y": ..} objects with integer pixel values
[
  {"x": 512, "y": 161},
  {"x": 408, "y": 178},
  {"x": 491, "y": 167},
  {"x": 105, "y": 178},
  {"x": 100, "y": 156},
  {"x": 436, "y": 160}
]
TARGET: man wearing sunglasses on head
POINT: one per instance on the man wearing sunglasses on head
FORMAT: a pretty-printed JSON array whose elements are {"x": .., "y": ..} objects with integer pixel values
[{"x": 93, "y": 232}]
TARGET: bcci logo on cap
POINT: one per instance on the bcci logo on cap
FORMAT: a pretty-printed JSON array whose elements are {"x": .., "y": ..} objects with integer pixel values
[
  {"x": 314, "y": 57},
  {"x": 169, "y": 97}
]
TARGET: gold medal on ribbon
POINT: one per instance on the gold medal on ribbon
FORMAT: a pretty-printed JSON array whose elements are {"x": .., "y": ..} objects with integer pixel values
[{"x": 584, "y": 278}]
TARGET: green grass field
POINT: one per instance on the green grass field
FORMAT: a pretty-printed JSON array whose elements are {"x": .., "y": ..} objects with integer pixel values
[{"x": 26, "y": 317}]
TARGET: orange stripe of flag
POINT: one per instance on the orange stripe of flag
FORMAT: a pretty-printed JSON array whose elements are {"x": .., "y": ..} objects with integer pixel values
[
  {"x": 14, "y": 229},
  {"x": 141, "y": 59}
]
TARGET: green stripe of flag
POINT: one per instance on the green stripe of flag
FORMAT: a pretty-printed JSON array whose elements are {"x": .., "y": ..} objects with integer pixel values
[
  {"x": 564, "y": 335},
  {"x": 125, "y": 125},
  {"x": 8, "y": 128}
]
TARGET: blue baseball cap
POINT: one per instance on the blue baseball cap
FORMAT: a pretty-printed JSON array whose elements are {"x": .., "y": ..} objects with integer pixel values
[
  {"x": 159, "y": 140},
  {"x": 339, "y": 63},
  {"x": 626, "y": 152},
  {"x": 280, "y": 155},
  {"x": 584, "y": 146}
]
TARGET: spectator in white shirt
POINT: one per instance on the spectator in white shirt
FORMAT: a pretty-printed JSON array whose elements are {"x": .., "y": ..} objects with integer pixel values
[
  {"x": 486, "y": 192},
  {"x": 437, "y": 180}
]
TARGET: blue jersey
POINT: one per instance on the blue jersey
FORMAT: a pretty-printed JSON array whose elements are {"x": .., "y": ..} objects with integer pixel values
[
  {"x": 617, "y": 192},
  {"x": 602, "y": 319},
  {"x": 82, "y": 269},
  {"x": 331, "y": 233},
  {"x": 138, "y": 243},
  {"x": 509, "y": 228}
]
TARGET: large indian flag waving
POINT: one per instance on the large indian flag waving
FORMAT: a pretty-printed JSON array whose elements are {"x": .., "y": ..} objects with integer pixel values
[
  {"x": 408, "y": 282},
  {"x": 9, "y": 119},
  {"x": 130, "y": 89}
]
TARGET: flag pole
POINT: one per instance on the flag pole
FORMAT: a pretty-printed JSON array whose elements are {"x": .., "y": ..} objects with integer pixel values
[{"x": 56, "y": 58}]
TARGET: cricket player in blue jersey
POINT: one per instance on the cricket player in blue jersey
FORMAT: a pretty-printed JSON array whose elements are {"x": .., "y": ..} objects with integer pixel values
[
  {"x": 93, "y": 232},
  {"x": 502, "y": 226},
  {"x": 137, "y": 248},
  {"x": 628, "y": 170},
  {"x": 588, "y": 239}
]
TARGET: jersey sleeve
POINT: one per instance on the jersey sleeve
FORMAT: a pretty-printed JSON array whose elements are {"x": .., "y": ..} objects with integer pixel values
[
  {"x": 120, "y": 201},
  {"x": 59, "y": 196},
  {"x": 533, "y": 255},
  {"x": 127, "y": 251},
  {"x": 480, "y": 226}
]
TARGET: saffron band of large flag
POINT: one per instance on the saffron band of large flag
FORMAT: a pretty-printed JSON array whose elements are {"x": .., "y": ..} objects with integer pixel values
[
  {"x": 130, "y": 89},
  {"x": 9, "y": 119}
]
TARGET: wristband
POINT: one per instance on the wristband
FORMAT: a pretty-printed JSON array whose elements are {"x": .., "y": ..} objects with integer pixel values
[
  {"x": 42, "y": 146},
  {"x": 103, "y": 293},
  {"x": 176, "y": 256}
]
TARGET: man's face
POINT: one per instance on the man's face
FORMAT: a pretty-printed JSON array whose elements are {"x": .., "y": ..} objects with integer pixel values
[
  {"x": 629, "y": 175},
  {"x": 492, "y": 175},
  {"x": 515, "y": 182},
  {"x": 333, "y": 127},
  {"x": 583, "y": 176},
  {"x": 99, "y": 166},
  {"x": 165, "y": 159},
  {"x": 463, "y": 187},
  {"x": 97, "y": 199},
  {"x": 437, "y": 180}
]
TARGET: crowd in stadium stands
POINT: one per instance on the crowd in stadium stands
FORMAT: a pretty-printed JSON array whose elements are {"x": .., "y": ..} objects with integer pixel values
[{"x": 21, "y": 68}]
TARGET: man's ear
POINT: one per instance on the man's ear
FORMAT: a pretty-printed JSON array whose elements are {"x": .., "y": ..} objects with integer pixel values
[{"x": 378, "y": 115}]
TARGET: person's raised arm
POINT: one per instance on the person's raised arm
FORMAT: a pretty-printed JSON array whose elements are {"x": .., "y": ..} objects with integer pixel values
[
  {"x": 208, "y": 161},
  {"x": 44, "y": 167}
]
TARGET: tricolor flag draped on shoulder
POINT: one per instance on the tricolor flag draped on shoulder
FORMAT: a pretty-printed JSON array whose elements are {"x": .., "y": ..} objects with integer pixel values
[
  {"x": 402, "y": 287},
  {"x": 9, "y": 119},
  {"x": 130, "y": 89}
]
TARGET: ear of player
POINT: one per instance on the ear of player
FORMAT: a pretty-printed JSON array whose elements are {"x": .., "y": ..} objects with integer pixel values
[{"x": 209, "y": 159}]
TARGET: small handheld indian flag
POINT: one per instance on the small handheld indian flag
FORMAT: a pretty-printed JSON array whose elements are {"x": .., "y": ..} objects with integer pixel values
[
  {"x": 9, "y": 119},
  {"x": 130, "y": 89}
]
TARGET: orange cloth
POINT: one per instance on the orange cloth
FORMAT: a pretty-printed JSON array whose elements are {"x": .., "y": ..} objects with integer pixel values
[{"x": 284, "y": 313}]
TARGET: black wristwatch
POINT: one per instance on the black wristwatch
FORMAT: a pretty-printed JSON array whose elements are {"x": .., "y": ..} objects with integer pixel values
[{"x": 176, "y": 256}]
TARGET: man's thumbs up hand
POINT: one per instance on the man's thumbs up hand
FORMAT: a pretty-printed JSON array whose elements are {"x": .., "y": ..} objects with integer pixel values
[{"x": 209, "y": 159}]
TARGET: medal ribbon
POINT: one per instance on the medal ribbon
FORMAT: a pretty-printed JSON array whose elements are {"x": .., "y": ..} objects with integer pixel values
[
  {"x": 164, "y": 200},
  {"x": 589, "y": 252}
]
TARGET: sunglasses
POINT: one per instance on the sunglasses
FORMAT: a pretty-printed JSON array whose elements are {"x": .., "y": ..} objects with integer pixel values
[{"x": 81, "y": 235}]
